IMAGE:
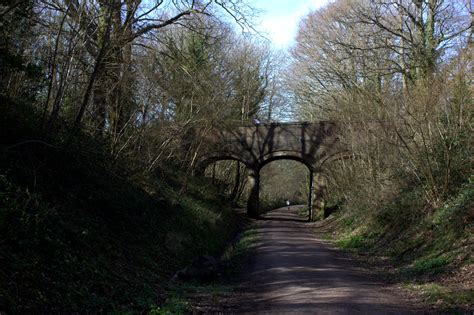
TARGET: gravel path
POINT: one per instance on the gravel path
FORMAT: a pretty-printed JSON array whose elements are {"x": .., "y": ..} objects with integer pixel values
[{"x": 292, "y": 271}]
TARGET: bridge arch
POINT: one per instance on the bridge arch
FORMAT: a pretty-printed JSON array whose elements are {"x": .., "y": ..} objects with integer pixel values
[
  {"x": 205, "y": 161},
  {"x": 286, "y": 155},
  {"x": 312, "y": 144}
]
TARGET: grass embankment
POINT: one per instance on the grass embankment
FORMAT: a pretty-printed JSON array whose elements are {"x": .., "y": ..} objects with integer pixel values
[
  {"x": 206, "y": 297},
  {"x": 79, "y": 232},
  {"x": 431, "y": 249}
]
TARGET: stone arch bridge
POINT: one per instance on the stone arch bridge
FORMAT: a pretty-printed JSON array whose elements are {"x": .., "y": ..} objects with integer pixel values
[{"x": 312, "y": 144}]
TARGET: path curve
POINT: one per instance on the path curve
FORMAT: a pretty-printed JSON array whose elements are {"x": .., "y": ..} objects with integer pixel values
[{"x": 292, "y": 271}]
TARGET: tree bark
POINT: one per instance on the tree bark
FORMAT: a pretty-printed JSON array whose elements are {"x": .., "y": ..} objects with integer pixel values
[{"x": 97, "y": 72}]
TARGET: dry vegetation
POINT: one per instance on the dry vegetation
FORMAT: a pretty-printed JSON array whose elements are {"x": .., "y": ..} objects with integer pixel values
[
  {"x": 129, "y": 89},
  {"x": 102, "y": 108},
  {"x": 398, "y": 76}
]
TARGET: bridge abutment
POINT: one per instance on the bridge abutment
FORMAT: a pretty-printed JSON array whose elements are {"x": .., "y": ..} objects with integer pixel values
[
  {"x": 317, "y": 192},
  {"x": 254, "y": 195}
]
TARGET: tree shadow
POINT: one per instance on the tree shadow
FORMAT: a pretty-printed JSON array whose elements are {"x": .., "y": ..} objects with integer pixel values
[{"x": 282, "y": 219}]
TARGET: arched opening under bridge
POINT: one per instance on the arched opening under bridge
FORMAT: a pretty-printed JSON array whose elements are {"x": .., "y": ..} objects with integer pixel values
[
  {"x": 256, "y": 185},
  {"x": 258, "y": 145}
]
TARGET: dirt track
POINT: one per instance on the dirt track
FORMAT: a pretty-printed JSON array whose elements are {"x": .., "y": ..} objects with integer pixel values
[{"x": 293, "y": 272}]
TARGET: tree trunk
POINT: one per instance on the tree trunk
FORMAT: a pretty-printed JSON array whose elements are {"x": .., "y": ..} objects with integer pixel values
[{"x": 97, "y": 72}]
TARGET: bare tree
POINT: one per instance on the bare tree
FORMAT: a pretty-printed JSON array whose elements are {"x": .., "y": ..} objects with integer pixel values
[{"x": 379, "y": 67}]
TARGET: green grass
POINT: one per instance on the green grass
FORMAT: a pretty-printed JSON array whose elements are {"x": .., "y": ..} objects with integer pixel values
[
  {"x": 427, "y": 265},
  {"x": 417, "y": 238},
  {"x": 444, "y": 296},
  {"x": 181, "y": 295},
  {"x": 303, "y": 212},
  {"x": 423, "y": 243},
  {"x": 351, "y": 242},
  {"x": 235, "y": 253},
  {"x": 247, "y": 241},
  {"x": 328, "y": 236},
  {"x": 348, "y": 222}
]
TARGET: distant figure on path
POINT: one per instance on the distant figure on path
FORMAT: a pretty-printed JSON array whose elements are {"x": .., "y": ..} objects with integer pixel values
[{"x": 288, "y": 204}]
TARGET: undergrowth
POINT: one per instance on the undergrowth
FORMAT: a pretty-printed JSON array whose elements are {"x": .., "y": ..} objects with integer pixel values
[
  {"x": 80, "y": 232},
  {"x": 449, "y": 298},
  {"x": 423, "y": 243},
  {"x": 182, "y": 296}
]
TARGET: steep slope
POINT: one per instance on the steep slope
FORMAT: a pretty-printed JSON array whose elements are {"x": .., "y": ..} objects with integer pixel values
[{"x": 78, "y": 232}]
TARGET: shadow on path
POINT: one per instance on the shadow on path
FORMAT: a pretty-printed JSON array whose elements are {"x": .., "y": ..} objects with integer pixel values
[{"x": 293, "y": 272}]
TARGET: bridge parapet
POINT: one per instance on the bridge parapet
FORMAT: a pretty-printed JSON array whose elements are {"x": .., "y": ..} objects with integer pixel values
[{"x": 309, "y": 143}]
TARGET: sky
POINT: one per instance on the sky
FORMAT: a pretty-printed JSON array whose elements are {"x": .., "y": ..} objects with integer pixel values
[{"x": 280, "y": 18}]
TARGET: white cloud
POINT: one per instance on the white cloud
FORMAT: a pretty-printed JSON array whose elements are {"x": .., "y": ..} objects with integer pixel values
[
  {"x": 281, "y": 28},
  {"x": 281, "y": 31}
]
